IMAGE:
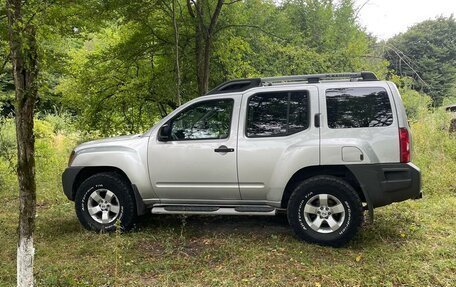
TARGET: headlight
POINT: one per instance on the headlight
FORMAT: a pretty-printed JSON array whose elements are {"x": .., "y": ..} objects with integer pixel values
[{"x": 72, "y": 156}]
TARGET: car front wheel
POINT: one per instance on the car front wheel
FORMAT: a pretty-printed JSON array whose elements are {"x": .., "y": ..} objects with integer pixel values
[{"x": 104, "y": 201}]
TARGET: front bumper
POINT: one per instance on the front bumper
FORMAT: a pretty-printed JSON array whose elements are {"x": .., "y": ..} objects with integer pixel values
[
  {"x": 68, "y": 179},
  {"x": 383, "y": 184}
]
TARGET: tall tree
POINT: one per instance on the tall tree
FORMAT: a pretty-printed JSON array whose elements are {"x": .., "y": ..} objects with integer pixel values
[
  {"x": 427, "y": 53},
  {"x": 23, "y": 51},
  {"x": 205, "y": 24},
  {"x": 176, "y": 51}
]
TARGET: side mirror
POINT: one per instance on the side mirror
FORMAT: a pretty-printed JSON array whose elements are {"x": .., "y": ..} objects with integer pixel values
[{"x": 164, "y": 134}]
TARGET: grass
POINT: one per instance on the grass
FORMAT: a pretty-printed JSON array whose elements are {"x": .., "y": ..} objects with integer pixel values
[{"x": 412, "y": 243}]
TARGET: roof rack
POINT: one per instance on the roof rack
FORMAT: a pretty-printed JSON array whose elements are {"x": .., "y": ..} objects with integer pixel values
[{"x": 240, "y": 85}]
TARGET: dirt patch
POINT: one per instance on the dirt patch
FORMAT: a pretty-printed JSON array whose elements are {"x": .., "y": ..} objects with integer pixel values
[{"x": 149, "y": 248}]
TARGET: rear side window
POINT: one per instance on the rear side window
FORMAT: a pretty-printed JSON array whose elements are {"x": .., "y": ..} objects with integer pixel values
[
  {"x": 358, "y": 108},
  {"x": 277, "y": 113}
]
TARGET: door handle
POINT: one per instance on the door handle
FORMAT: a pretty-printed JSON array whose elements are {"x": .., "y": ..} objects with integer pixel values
[
  {"x": 224, "y": 148},
  {"x": 317, "y": 120}
]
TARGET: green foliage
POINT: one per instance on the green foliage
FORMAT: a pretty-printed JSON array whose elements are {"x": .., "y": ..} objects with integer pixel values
[
  {"x": 123, "y": 78},
  {"x": 435, "y": 151},
  {"x": 416, "y": 103},
  {"x": 428, "y": 48},
  {"x": 434, "y": 148},
  {"x": 7, "y": 150},
  {"x": 55, "y": 136},
  {"x": 116, "y": 71},
  {"x": 109, "y": 87},
  {"x": 43, "y": 129}
]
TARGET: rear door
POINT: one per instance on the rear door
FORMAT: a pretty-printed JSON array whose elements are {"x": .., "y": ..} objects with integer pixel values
[
  {"x": 276, "y": 137},
  {"x": 359, "y": 123}
]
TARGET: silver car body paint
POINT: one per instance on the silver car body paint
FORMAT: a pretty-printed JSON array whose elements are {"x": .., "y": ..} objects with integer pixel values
[{"x": 257, "y": 172}]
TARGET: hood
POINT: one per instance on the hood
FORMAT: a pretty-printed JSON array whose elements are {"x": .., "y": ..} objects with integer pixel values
[{"x": 121, "y": 141}]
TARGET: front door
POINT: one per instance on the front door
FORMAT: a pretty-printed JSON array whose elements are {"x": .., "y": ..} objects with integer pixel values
[{"x": 198, "y": 162}]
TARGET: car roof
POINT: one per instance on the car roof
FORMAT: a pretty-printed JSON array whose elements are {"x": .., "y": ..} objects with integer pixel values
[
  {"x": 238, "y": 87},
  {"x": 242, "y": 85}
]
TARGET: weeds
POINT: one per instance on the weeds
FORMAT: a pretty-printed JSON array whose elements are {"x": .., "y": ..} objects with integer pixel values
[{"x": 183, "y": 219}]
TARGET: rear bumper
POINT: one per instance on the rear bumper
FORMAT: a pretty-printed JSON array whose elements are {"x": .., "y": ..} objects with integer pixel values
[
  {"x": 68, "y": 178},
  {"x": 383, "y": 184}
]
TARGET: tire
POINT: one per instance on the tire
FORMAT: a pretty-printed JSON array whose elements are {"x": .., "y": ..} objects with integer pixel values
[
  {"x": 325, "y": 210},
  {"x": 104, "y": 199}
]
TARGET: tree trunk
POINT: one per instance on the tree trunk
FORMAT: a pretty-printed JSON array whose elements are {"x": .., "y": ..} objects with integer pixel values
[
  {"x": 176, "y": 51},
  {"x": 204, "y": 33},
  {"x": 199, "y": 47},
  {"x": 22, "y": 42}
]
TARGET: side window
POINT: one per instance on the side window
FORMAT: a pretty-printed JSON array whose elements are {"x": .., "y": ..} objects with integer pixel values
[
  {"x": 277, "y": 113},
  {"x": 358, "y": 108},
  {"x": 204, "y": 120}
]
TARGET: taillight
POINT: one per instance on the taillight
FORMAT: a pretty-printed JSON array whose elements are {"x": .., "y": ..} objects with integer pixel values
[{"x": 404, "y": 143}]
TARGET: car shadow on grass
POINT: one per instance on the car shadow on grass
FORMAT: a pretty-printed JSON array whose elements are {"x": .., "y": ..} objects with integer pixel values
[
  {"x": 384, "y": 231},
  {"x": 62, "y": 225},
  {"x": 239, "y": 224}
]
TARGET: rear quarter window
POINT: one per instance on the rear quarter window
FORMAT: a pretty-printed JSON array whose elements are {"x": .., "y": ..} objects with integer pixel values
[{"x": 359, "y": 107}]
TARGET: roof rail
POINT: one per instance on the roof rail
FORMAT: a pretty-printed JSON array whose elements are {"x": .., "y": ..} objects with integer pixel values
[
  {"x": 240, "y": 85},
  {"x": 236, "y": 86},
  {"x": 316, "y": 78}
]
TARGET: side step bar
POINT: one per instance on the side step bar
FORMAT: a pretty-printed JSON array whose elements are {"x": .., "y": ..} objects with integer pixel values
[{"x": 214, "y": 210}]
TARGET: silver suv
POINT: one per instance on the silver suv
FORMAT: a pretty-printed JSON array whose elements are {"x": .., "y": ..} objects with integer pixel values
[{"x": 322, "y": 148}]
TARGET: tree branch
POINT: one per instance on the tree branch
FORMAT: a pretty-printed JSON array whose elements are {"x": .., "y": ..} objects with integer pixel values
[
  {"x": 47, "y": 5},
  {"x": 360, "y": 8},
  {"x": 190, "y": 9},
  {"x": 214, "y": 17},
  {"x": 403, "y": 57},
  {"x": 231, "y": 2}
]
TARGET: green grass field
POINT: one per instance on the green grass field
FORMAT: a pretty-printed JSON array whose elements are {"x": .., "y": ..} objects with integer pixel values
[{"x": 412, "y": 243}]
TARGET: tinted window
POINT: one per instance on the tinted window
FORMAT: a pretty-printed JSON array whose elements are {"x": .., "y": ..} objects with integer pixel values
[
  {"x": 277, "y": 114},
  {"x": 358, "y": 108},
  {"x": 205, "y": 120}
]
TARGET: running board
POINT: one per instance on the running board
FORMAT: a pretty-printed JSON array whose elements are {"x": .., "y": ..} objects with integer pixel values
[{"x": 214, "y": 210}]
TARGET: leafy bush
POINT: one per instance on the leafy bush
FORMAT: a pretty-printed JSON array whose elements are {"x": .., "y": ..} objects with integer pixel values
[
  {"x": 7, "y": 141},
  {"x": 55, "y": 136},
  {"x": 61, "y": 124},
  {"x": 43, "y": 129},
  {"x": 7, "y": 151},
  {"x": 435, "y": 151},
  {"x": 415, "y": 102},
  {"x": 434, "y": 148}
]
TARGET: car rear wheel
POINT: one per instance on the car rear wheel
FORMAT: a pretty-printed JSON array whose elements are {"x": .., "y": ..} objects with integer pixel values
[
  {"x": 104, "y": 201},
  {"x": 325, "y": 210}
]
